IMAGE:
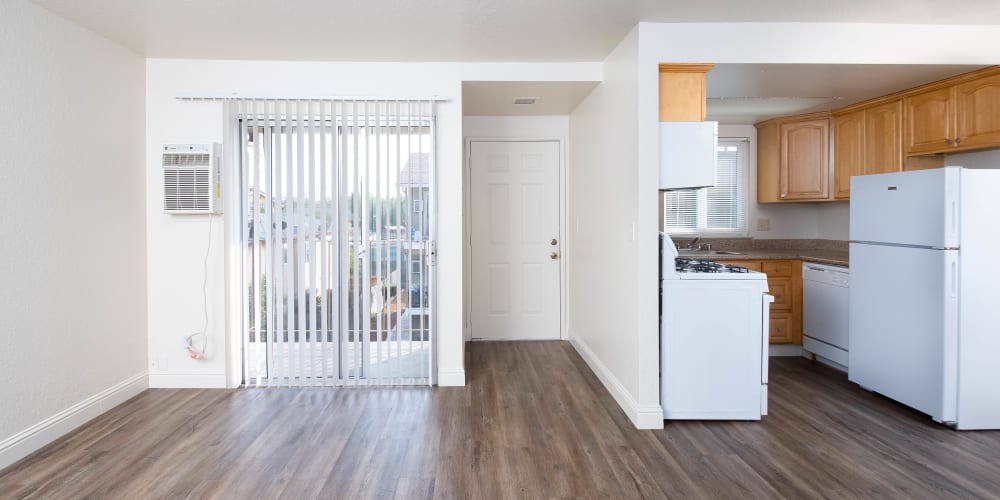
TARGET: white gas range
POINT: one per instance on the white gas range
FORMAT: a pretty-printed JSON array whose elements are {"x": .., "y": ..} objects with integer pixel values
[{"x": 713, "y": 339}]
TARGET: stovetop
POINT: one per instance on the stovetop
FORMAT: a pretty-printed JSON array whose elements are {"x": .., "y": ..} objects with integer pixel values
[
  {"x": 699, "y": 269},
  {"x": 706, "y": 266},
  {"x": 686, "y": 268}
]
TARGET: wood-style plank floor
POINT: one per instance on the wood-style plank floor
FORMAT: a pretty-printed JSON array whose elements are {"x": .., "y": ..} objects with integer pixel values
[{"x": 533, "y": 422}]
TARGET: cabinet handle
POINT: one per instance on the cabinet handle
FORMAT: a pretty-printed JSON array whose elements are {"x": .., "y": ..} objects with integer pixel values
[
  {"x": 783, "y": 195},
  {"x": 949, "y": 141},
  {"x": 958, "y": 140}
]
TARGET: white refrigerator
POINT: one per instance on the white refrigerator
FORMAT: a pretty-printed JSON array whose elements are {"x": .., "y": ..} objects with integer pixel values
[{"x": 925, "y": 291}]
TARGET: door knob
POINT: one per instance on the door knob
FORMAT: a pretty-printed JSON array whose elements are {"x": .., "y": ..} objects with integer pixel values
[
  {"x": 553, "y": 255},
  {"x": 553, "y": 242}
]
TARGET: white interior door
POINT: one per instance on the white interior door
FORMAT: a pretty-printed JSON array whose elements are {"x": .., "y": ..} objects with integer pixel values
[{"x": 515, "y": 290}]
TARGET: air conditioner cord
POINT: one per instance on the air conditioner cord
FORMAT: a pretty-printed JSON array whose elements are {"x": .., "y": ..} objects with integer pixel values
[{"x": 196, "y": 353}]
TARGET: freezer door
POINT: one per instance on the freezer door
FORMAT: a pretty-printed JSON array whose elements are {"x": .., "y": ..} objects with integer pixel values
[
  {"x": 904, "y": 325},
  {"x": 919, "y": 208}
]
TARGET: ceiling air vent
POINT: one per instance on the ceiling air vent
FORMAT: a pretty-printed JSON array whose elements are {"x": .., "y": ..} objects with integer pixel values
[
  {"x": 525, "y": 100},
  {"x": 192, "y": 179}
]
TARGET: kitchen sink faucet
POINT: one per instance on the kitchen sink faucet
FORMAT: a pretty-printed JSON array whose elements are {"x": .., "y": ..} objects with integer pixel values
[{"x": 693, "y": 245}]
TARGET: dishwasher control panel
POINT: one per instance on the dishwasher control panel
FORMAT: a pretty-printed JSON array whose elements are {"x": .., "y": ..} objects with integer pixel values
[{"x": 834, "y": 275}]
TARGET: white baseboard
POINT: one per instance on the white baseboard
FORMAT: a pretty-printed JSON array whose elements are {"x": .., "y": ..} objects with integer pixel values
[
  {"x": 188, "y": 380},
  {"x": 451, "y": 377},
  {"x": 780, "y": 350},
  {"x": 642, "y": 416},
  {"x": 35, "y": 437}
]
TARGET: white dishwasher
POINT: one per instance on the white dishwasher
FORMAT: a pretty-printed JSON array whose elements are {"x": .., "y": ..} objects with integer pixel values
[{"x": 825, "y": 311}]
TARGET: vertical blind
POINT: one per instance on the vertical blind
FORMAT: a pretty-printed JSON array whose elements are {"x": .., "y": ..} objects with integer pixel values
[
  {"x": 718, "y": 209},
  {"x": 337, "y": 238}
]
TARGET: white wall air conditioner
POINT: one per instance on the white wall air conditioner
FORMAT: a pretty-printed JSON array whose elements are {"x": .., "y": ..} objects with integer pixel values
[{"x": 192, "y": 179}]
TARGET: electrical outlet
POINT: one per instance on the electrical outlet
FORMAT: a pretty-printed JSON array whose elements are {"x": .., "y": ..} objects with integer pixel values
[
  {"x": 158, "y": 364},
  {"x": 763, "y": 224}
]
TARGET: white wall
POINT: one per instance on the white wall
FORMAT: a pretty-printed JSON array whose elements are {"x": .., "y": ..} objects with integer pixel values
[
  {"x": 549, "y": 126},
  {"x": 494, "y": 127},
  {"x": 601, "y": 133},
  {"x": 73, "y": 300},
  {"x": 604, "y": 290},
  {"x": 978, "y": 159},
  {"x": 176, "y": 245},
  {"x": 833, "y": 220}
]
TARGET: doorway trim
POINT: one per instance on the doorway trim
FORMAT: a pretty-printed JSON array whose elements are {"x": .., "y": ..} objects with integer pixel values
[{"x": 467, "y": 229}]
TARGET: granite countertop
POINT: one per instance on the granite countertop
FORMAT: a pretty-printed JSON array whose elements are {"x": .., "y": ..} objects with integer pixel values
[
  {"x": 832, "y": 257},
  {"x": 833, "y": 252}
]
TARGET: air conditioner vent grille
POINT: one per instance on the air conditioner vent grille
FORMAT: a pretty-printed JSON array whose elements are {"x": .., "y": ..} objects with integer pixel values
[
  {"x": 186, "y": 189},
  {"x": 185, "y": 159}
]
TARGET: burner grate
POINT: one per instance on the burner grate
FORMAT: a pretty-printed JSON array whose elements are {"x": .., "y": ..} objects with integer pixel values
[{"x": 706, "y": 266}]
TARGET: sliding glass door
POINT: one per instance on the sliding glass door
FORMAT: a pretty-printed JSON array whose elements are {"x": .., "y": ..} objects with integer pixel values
[{"x": 338, "y": 241}]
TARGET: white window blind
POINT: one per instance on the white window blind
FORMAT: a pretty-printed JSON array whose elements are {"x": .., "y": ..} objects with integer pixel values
[
  {"x": 714, "y": 210},
  {"x": 337, "y": 280}
]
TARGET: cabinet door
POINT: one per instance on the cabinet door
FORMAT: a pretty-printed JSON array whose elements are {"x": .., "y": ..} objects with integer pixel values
[
  {"x": 929, "y": 121},
  {"x": 883, "y": 138},
  {"x": 805, "y": 160},
  {"x": 782, "y": 290},
  {"x": 780, "y": 328},
  {"x": 848, "y": 151},
  {"x": 978, "y": 111},
  {"x": 778, "y": 268}
]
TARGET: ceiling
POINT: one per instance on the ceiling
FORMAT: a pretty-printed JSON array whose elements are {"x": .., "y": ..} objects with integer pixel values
[
  {"x": 737, "y": 93},
  {"x": 749, "y": 93},
  {"x": 452, "y": 30},
  {"x": 497, "y": 98}
]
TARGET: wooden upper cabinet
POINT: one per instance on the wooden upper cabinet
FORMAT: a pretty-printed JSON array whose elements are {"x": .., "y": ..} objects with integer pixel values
[
  {"x": 848, "y": 151},
  {"x": 930, "y": 121},
  {"x": 682, "y": 92},
  {"x": 906, "y": 130},
  {"x": 978, "y": 113},
  {"x": 883, "y": 138},
  {"x": 960, "y": 117},
  {"x": 768, "y": 160},
  {"x": 805, "y": 160}
]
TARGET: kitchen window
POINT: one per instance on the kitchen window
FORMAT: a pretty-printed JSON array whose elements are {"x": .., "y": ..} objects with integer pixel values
[{"x": 719, "y": 210}]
